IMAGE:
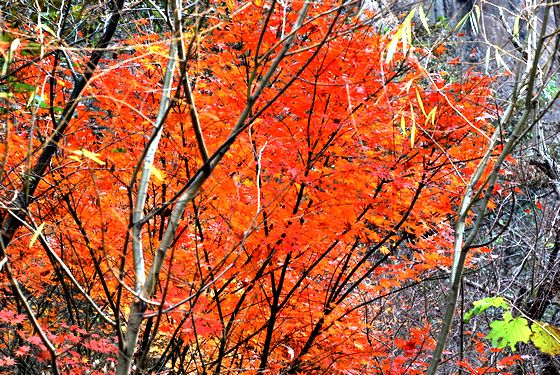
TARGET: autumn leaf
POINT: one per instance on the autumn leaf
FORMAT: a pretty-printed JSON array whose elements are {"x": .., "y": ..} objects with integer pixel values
[
  {"x": 420, "y": 103},
  {"x": 22, "y": 351},
  {"x": 159, "y": 175},
  {"x": 546, "y": 338},
  {"x": 403, "y": 34},
  {"x": 275, "y": 247},
  {"x": 403, "y": 125},
  {"x": 43, "y": 355},
  {"x": 7, "y": 361},
  {"x": 423, "y": 18},
  {"x": 87, "y": 154},
  {"x": 231, "y": 4},
  {"x": 36, "y": 234}
]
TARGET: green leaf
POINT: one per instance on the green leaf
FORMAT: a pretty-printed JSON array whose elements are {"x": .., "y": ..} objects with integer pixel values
[
  {"x": 509, "y": 332},
  {"x": 546, "y": 338},
  {"x": 37, "y": 100},
  {"x": 32, "y": 49},
  {"x": 484, "y": 304},
  {"x": 47, "y": 29},
  {"x": 23, "y": 87},
  {"x": 6, "y": 37}
]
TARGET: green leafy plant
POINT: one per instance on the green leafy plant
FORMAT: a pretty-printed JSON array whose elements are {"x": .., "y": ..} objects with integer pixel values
[
  {"x": 551, "y": 89},
  {"x": 510, "y": 331}
]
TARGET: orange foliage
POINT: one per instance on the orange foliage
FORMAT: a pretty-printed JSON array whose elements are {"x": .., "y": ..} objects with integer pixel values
[{"x": 339, "y": 192}]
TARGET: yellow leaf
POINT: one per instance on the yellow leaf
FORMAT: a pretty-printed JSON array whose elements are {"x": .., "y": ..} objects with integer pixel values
[
  {"x": 423, "y": 18},
  {"x": 89, "y": 155},
  {"x": 413, "y": 129},
  {"x": 230, "y": 4},
  {"x": 462, "y": 21},
  {"x": 403, "y": 125},
  {"x": 384, "y": 250},
  {"x": 159, "y": 175},
  {"x": 393, "y": 46},
  {"x": 47, "y": 29},
  {"x": 407, "y": 24},
  {"x": 500, "y": 60},
  {"x": 404, "y": 33},
  {"x": 487, "y": 61},
  {"x": 516, "y": 26},
  {"x": 431, "y": 116},
  {"x": 258, "y": 3},
  {"x": 408, "y": 85},
  {"x": 36, "y": 235},
  {"x": 477, "y": 11},
  {"x": 420, "y": 103},
  {"x": 474, "y": 18},
  {"x": 15, "y": 44},
  {"x": 546, "y": 338}
]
